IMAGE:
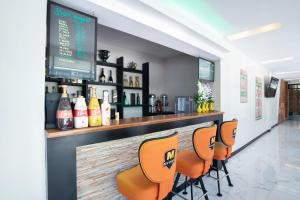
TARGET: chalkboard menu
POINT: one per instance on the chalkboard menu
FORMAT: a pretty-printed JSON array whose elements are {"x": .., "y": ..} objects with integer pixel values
[
  {"x": 71, "y": 43},
  {"x": 206, "y": 70}
]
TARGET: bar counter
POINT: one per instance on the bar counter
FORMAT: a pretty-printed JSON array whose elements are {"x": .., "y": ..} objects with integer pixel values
[
  {"x": 130, "y": 122},
  {"x": 83, "y": 163}
]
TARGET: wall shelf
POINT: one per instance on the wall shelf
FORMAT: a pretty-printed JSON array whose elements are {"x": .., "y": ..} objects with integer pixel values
[
  {"x": 132, "y": 106},
  {"x": 104, "y": 84},
  {"x": 115, "y": 104},
  {"x": 107, "y": 64},
  {"x": 132, "y": 70},
  {"x": 119, "y": 65},
  {"x": 61, "y": 81},
  {"x": 132, "y": 88}
]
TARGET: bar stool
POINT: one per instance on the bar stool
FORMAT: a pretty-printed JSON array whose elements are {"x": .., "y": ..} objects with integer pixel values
[
  {"x": 223, "y": 148},
  {"x": 153, "y": 178},
  {"x": 195, "y": 164}
]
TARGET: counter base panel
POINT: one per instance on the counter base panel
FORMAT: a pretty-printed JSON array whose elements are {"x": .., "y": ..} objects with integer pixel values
[{"x": 62, "y": 160}]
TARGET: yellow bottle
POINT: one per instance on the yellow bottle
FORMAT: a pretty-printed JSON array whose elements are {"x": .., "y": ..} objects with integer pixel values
[{"x": 94, "y": 110}]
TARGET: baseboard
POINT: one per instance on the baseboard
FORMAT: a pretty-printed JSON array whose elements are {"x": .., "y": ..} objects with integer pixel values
[
  {"x": 276, "y": 125},
  {"x": 253, "y": 140}
]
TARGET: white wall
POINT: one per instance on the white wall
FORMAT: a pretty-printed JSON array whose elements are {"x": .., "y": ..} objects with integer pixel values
[
  {"x": 248, "y": 127},
  {"x": 22, "y": 146}
]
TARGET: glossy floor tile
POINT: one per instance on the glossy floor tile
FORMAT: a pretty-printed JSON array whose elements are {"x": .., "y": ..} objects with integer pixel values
[{"x": 267, "y": 169}]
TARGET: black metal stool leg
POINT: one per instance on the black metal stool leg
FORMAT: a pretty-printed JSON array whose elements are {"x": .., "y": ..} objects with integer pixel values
[
  {"x": 170, "y": 195},
  {"x": 197, "y": 181},
  {"x": 192, "y": 195},
  {"x": 208, "y": 174},
  {"x": 218, "y": 179},
  {"x": 227, "y": 174},
  {"x": 203, "y": 188},
  {"x": 185, "y": 186},
  {"x": 176, "y": 181}
]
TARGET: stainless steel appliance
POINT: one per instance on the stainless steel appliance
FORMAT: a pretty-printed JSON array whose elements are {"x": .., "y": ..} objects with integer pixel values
[
  {"x": 165, "y": 103},
  {"x": 184, "y": 104},
  {"x": 152, "y": 99}
]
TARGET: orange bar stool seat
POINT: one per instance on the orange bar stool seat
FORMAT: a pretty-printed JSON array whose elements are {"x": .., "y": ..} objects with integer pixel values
[
  {"x": 222, "y": 152},
  {"x": 195, "y": 164},
  {"x": 223, "y": 148},
  {"x": 133, "y": 183},
  {"x": 152, "y": 179}
]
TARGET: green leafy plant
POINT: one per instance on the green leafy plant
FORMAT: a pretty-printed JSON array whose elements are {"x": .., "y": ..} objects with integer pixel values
[
  {"x": 204, "y": 94},
  {"x": 199, "y": 98},
  {"x": 210, "y": 99}
]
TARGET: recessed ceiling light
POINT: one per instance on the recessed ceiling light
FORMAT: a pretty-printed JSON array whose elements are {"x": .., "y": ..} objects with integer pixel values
[
  {"x": 290, "y": 72},
  {"x": 277, "y": 60},
  {"x": 255, "y": 31}
]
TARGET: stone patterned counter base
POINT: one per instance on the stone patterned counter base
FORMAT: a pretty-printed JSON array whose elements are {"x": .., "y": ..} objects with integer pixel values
[{"x": 98, "y": 164}]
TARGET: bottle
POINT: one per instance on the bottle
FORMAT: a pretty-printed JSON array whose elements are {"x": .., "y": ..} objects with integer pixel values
[
  {"x": 105, "y": 108},
  {"x": 125, "y": 81},
  {"x": 73, "y": 100},
  {"x": 94, "y": 111},
  {"x": 130, "y": 81},
  {"x": 110, "y": 79},
  {"x": 64, "y": 116},
  {"x": 124, "y": 99},
  {"x": 53, "y": 89},
  {"x": 46, "y": 90},
  {"x": 138, "y": 99},
  {"x": 80, "y": 113},
  {"x": 102, "y": 76}
]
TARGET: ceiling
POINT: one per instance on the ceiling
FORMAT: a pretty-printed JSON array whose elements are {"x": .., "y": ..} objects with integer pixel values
[
  {"x": 121, "y": 39},
  {"x": 200, "y": 27},
  {"x": 223, "y": 18},
  {"x": 138, "y": 19},
  {"x": 281, "y": 43}
]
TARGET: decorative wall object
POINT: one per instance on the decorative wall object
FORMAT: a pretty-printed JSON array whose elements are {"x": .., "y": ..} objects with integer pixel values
[
  {"x": 258, "y": 98},
  {"x": 132, "y": 65},
  {"x": 243, "y": 86}
]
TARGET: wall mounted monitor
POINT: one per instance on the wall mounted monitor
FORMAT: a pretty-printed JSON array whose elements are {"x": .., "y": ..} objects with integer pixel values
[
  {"x": 71, "y": 43},
  {"x": 272, "y": 87},
  {"x": 206, "y": 70}
]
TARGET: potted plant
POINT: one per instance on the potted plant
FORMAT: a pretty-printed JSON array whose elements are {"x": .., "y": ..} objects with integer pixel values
[
  {"x": 211, "y": 103},
  {"x": 204, "y": 98},
  {"x": 198, "y": 99}
]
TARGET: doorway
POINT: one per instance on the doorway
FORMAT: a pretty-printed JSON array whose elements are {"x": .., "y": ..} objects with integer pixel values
[{"x": 294, "y": 101}]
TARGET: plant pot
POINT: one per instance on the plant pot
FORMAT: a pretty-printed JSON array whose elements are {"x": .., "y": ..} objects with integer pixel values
[
  {"x": 211, "y": 106},
  {"x": 199, "y": 108},
  {"x": 207, "y": 107},
  {"x": 203, "y": 107}
]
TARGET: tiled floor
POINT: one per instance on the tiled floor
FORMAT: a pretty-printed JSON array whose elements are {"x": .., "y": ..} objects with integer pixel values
[{"x": 267, "y": 169}]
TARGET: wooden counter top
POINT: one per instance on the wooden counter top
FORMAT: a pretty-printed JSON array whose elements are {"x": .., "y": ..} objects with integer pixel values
[{"x": 130, "y": 122}]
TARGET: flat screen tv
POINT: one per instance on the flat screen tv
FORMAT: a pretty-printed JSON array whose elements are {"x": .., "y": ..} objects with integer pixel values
[
  {"x": 206, "y": 70},
  {"x": 272, "y": 87},
  {"x": 71, "y": 43}
]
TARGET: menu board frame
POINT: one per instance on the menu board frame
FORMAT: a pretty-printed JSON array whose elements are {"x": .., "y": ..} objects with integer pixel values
[
  {"x": 212, "y": 68},
  {"x": 93, "y": 73}
]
